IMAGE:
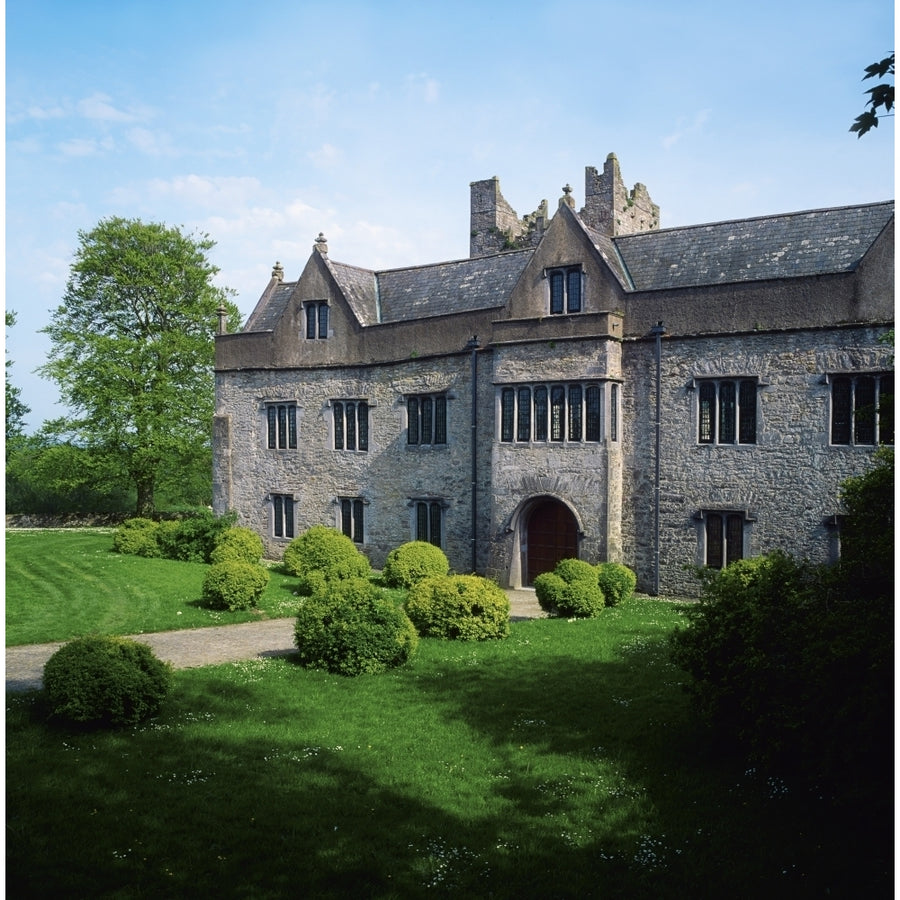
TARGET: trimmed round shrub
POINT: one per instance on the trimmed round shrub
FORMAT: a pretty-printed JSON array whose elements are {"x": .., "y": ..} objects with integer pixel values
[
  {"x": 459, "y": 607},
  {"x": 234, "y": 584},
  {"x": 413, "y": 561},
  {"x": 616, "y": 581},
  {"x": 325, "y": 550},
  {"x": 350, "y": 628},
  {"x": 106, "y": 680},
  {"x": 137, "y": 537},
  {"x": 571, "y": 589},
  {"x": 167, "y": 538},
  {"x": 238, "y": 543}
]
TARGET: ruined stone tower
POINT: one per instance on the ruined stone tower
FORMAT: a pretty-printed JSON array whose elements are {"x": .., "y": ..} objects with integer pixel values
[{"x": 608, "y": 207}]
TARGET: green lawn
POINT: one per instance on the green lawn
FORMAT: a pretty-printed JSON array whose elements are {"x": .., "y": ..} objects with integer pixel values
[
  {"x": 562, "y": 762},
  {"x": 65, "y": 583}
]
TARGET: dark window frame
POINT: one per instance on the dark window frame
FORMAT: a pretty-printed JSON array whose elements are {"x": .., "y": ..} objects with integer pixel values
[
  {"x": 727, "y": 411},
  {"x": 426, "y": 420},
  {"x": 560, "y": 412},
  {"x": 351, "y": 425},
  {"x": 428, "y": 520},
  {"x": 317, "y": 319},
  {"x": 281, "y": 426},
  {"x": 861, "y": 409},
  {"x": 284, "y": 508},
  {"x": 724, "y": 535},
  {"x": 352, "y": 512},
  {"x": 566, "y": 285}
]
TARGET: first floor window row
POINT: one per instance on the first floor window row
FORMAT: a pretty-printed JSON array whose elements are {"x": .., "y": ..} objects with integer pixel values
[
  {"x": 281, "y": 426},
  {"x": 557, "y": 412},
  {"x": 351, "y": 425},
  {"x": 862, "y": 409}
]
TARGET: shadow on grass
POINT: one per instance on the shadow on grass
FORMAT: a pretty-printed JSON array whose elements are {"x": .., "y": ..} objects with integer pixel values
[{"x": 262, "y": 808}]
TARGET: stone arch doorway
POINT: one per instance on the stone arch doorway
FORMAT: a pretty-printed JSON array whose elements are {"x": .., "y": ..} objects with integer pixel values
[{"x": 549, "y": 533}]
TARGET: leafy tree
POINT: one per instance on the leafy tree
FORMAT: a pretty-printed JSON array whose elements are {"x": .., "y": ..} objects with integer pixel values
[
  {"x": 16, "y": 410},
  {"x": 132, "y": 351},
  {"x": 882, "y": 95}
]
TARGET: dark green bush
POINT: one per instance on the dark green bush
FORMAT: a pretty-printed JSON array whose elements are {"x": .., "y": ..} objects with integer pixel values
[
  {"x": 238, "y": 543},
  {"x": 350, "y": 628},
  {"x": 234, "y": 584},
  {"x": 413, "y": 561},
  {"x": 196, "y": 536},
  {"x": 571, "y": 589},
  {"x": 797, "y": 677},
  {"x": 459, "y": 607},
  {"x": 105, "y": 680},
  {"x": 326, "y": 551},
  {"x": 137, "y": 537},
  {"x": 616, "y": 581}
]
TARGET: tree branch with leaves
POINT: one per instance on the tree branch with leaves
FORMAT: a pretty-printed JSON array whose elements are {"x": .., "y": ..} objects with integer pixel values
[{"x": 880, "y": 96}]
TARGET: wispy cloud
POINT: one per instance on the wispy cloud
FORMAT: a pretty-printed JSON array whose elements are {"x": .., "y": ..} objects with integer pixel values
[
  {"x": 423, "y": 87},
  {"x": 99, "y": 107},
  {"x": 85, "y": 147},
  {"x": 153, "y": 143},
  {"x": 327, "y": 156},
  {"x": 686, "y": 126}
]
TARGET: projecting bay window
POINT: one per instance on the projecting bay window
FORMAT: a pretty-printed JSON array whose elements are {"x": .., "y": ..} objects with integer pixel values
[
  {"x": 282, "y": 515},
  {"x": 862, "y": 409},
  {"x": 316, "y": 313},
  {"x": 727, "y": 411},
  {"x": 426, "y": 419},
  {"x": 352, "y": 518},
  {"x": 351, "y": 425},
  {"x": 565, "y": 290},
  {"x": 281, "y": 426},
  {"x": 556, "y": 413}
]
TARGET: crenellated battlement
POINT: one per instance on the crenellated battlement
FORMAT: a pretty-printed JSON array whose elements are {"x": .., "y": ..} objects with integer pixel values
[{"x": 609, "y": 207}]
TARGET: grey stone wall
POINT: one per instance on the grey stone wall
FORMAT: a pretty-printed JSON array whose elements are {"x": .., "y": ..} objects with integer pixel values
[
  {"x": 387, "y": 476},
  {"x": 788, "y": 482}
]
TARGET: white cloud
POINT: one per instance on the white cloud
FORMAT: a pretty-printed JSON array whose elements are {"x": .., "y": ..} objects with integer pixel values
[
  {"x": 326, "y": 156},
  {"x": 41, "y": 112},
  {"x": 423, "y": 87},
  {"x": 85, "y": 147},
  {"x": 150, "y": 142},
  {"x": 220, "y": 192},
  {"x": 685, "y": 126},
  {"x": 99, "y": 107}
]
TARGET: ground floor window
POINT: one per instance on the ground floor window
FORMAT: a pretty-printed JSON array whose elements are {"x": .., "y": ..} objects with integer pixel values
[
  {"x": 428, "y": 521},
  {"x": 724, "y": 533},
  {"x": 283, "y": 515},
  {"x": 353, "y": 523}
]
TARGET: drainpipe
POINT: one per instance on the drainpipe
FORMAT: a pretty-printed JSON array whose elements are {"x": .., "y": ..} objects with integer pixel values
[
  {"x": 472, "y": 346},
  {"x": 657, "y": 331}
]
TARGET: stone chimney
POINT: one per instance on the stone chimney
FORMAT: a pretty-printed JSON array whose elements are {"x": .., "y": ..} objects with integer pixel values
[
  {"x": 494, "y": 224},
  {"x": 610, "y": 208}
]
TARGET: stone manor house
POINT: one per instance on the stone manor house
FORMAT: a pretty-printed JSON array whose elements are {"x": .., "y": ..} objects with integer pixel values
[{"x": 585, "y": 384}]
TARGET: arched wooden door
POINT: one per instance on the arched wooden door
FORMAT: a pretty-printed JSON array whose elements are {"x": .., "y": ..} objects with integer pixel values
[{"x": 551, "y": 534}]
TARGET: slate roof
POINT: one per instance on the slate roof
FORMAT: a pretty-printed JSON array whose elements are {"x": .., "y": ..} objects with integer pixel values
[
  {"x": 815, "y": 242},
  {"x": 450, "y": 287},
  {"x": 270, "y": 309}
]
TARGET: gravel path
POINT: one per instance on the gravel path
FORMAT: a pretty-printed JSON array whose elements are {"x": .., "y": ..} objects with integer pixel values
[{"x": 208, "y": 646}]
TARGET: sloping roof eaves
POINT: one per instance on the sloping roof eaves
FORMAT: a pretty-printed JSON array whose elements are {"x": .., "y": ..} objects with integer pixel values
[
  {"x": 271, "y": 308},
  {"x": 359, "y": 288},
  {"x": 816, "y": 242},
  {"x": 451, "y": 287}
]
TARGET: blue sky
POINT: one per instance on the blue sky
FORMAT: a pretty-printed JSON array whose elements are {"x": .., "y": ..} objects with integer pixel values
[{"x": 262, "y": 124}]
